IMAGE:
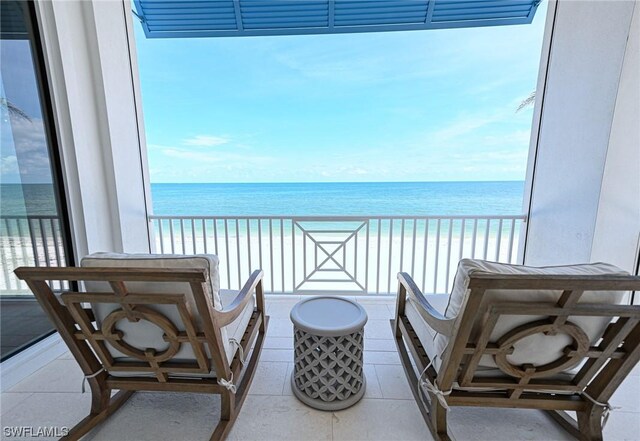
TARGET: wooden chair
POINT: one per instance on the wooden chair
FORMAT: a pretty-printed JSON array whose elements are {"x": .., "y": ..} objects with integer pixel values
[
  {"x": 112, "y": 329},
  {"x": 557, "y": 339}
]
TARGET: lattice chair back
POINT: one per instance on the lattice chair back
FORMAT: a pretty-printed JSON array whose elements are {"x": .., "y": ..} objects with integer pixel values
[
  {"x": 522, "y": 328},
  {"x": 150, "y": 327}
]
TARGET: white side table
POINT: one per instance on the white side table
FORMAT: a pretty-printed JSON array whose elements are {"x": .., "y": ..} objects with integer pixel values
[{"x": 328, "y": 347}]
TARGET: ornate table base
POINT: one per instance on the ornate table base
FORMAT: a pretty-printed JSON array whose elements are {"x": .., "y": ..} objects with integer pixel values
[{"x": 328, "y": 371}]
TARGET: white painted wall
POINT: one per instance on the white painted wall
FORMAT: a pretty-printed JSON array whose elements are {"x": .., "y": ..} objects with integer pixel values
[
  {"x": 587, "y": 49},
  {"x": 617, "y": 229},
  {"x": 100, "y": 128}
]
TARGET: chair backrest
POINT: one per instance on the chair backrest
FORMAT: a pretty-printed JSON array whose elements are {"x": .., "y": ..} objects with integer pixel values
[
  {"x": 154, "y": 315},
  {"x": 145, "y": 334},
  {"x": 553, "y": 328}
]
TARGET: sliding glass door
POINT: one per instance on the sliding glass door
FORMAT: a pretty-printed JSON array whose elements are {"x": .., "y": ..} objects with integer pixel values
[{"x": 33, "y": 226}]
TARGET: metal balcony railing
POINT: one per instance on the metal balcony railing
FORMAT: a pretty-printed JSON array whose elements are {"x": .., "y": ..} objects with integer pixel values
[
  {"x": 343, "y": 254},
  {"x": 28, "y": 241},
  {"x": 299, "y": 254}
]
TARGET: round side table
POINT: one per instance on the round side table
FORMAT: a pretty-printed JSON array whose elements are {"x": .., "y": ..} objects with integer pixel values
[{"x": 328, "y": 349}]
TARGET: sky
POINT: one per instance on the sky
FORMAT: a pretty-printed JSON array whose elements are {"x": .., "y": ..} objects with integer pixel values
[
  {"x": 435, "y": 105},
  {"x": 24, "y": 156}
]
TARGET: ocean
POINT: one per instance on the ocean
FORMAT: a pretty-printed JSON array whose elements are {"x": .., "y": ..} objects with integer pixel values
[
  {"x": 302, "y": 199},
  {"x": 353, "y": 198}
]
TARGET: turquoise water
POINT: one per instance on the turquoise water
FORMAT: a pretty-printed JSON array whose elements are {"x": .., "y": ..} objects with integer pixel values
[
  {"x": 317, "y": 199},
  {"x": 302, "y": 199},
  {"x": 27, "y": 199}
]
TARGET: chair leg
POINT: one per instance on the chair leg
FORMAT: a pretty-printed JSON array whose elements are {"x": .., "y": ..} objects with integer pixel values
[
  {"x": 438, "y": 416},
  {"x": 227, "y": 416},
  {"x": 231, "y": 404},
  {"x": 227, "y": 400},
  {"x": 565, "y": 421},
  {"x": 100, "y": 396},
  {"x": 435, "y": 416},
  {"x": 590, "y": 423}
]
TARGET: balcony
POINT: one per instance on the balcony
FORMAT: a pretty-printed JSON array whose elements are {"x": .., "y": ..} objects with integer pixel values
[
  {"x": 581, "y": 205},
  {"x": 366, "y": 253}
]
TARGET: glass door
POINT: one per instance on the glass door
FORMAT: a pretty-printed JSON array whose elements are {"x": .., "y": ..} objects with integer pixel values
[{"x": 33, "y": 224}]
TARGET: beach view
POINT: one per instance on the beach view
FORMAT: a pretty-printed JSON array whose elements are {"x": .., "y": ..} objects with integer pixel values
[
  {"x": 331, "y": 162},
  {"x": 354, "y": 237},
  {"x": 344, "y": 220}
]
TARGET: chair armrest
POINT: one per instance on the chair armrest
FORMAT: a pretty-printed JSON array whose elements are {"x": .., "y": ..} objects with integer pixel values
[
  {"x": 432, "y": 316},
  {"x": 233, "y": 311}
]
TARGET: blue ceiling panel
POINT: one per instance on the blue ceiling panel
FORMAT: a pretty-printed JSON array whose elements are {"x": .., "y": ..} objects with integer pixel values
[{"x": 236, "y": 18}]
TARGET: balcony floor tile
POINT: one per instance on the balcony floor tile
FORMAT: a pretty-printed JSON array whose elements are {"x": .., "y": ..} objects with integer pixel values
[
  {"x": 627, "y": 397},
  {"x": 503, "y": 425},
  {"x": 160, "y": 416},
  {"x": 61, "y": 375},
  {"x": 285, "y": 355},
  {"x": 9, "y": 400},
  {"x": 61, "y": 409},
  {"x": 280, "y": 418},
  {"x": 51, "y": 396},
  {"x": 380, "y": 420},
  {"x": 381, "y": 357},
  {"x": 373, "y": 389},
  {"x": 378, "y": 329},
  {"x": 393, "y": 382},
  {"x": 269, "y": 378},
  {"x": 622, "y": 426}
]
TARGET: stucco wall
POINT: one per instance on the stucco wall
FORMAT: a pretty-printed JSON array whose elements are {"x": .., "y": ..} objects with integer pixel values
[
  {"x": 617, "y": 229},
  {"x": 99, "y": 125},
  {"x": 587, "y": 49}
]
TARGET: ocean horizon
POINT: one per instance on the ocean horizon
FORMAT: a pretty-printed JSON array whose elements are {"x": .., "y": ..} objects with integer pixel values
[
  {"x": 303, "y": 199},
  {"x": 339, "y": 198}
]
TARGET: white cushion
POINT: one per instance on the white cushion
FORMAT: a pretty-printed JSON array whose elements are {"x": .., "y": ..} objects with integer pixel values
[
  {"x": 537, "y": 349},
  {"x": 208, "y": 262},
  {"x": 146, "y": 335},
  {"x": 414, "y": 312},
  {"x": 235, "y": 329}
]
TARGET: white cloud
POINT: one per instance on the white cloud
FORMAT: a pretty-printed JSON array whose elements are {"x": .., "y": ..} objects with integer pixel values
[
  {"x": 9, "y": 164},
  {"x": 332, "y": 171},
  {"x": 217, "y": 156},
  {"x": 205, "y": 141},
  {"x": 24, "y": 151},
  {"x": 194, "y": 156}
]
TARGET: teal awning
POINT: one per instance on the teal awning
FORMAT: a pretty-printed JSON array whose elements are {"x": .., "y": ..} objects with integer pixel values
[{"x": 234, "y": 18}]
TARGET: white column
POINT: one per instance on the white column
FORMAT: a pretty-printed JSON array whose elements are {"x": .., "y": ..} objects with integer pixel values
[
  {"x": 587, "y": 49},
  {"x": 99, "y": 122},
  {"x": 617, "y": 230}
]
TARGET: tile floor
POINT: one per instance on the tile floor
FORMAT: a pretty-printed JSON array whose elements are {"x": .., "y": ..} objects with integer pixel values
[{"x": 51, "y": 396}]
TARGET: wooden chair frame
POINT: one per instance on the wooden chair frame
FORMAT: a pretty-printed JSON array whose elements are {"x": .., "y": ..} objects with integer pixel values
[
  {"x": 86, "y": 342},
  {"x": 607, "y": 365}
]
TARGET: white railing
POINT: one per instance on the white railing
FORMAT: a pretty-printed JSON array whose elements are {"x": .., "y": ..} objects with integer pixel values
[
  {"x": 348, "y": 254},
  {"x": 28, "y": 241}
]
